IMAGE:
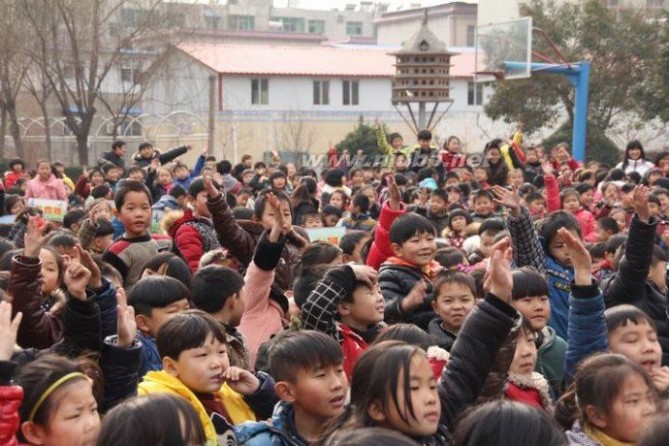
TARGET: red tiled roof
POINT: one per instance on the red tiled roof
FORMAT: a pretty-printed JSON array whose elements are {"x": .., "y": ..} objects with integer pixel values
[{"x": 306, "y": 60}]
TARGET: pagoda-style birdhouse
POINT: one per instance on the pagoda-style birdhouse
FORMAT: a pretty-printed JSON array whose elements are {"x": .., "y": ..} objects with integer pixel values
[{"x": 422, "y": 76}]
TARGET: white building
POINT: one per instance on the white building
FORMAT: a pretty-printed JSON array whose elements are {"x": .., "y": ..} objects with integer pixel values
[{"x": 302, "y": 99}]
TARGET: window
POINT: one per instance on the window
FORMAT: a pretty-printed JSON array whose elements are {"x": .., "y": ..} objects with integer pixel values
[
  {"x": 321, "y": 92},
  {"x": 241, "y": 22},
  {"x": 133, "y": 17},
  {"x": 354, "y": 28},
  {"x": 259, "y": 91},
  {"x": 212, "y": 22},
  {"x": 316, "y": 26},
  {"x": 290, "y": 24},
  {"x": 350, "y": 92},
  {"x": 129, "y": 75},
  {"x": 474, "y": 94},
  {"x": 471, "y": 35}
]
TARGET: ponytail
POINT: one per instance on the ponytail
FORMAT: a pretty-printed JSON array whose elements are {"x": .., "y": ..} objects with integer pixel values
[{"x": 566, "y": 408}]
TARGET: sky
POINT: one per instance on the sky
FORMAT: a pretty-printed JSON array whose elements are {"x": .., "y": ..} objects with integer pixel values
[{"x": 330, "y": 4}]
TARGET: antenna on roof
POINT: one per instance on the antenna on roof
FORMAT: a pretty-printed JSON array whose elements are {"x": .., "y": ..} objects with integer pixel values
[{"x": 425, "y": 16}]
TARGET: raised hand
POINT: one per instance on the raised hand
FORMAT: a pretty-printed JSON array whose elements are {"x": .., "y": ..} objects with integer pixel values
[
  {"x": 499, "y": 280},
  {"x": 547, "y": 167},
  {"x": 415, "y": 297},
  {"x": 508, "y": 198},
  {"x": 76, "y": 279},
  {"x": 394, "y": 192},
  {"x": 205, "y": 150},
  {"x": 8, "y": 329},
  {"x": 640, "y": 196},
  {"x": 212, "y": 192},
  {"x": 580, "y": 257},
  {"x": 365, "y": 274},
  {"x": 241, "y": 381},
  {"x": 155, "y": 164},
  {"x": 95, "y": 281},
  {"x": 34, "y": 238},
  {"x": 126, "y": 325},
  {"x": 279, "y": 222}
]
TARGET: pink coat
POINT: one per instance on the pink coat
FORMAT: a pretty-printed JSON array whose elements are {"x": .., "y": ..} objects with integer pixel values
[
  {"x": 584, "y": 217},
  {"x": 263, "y": 317},
  {"x": 52, "y": 189}
]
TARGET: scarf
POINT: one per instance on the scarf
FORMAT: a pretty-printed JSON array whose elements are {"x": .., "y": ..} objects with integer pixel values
[
  {"x": 430, "y": 270},
  {"x": 601, "y": 438}
]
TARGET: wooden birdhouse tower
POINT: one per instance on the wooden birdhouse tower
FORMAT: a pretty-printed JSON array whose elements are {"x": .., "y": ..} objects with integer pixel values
[{"x": 422, "y": 77}]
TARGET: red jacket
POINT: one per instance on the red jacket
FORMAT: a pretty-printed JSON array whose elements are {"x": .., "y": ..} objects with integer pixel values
[
  {"x": 352, "y": 345},
  {"x": 12, "y": 177},
  {"x": 380, "y": 250},
  {"x": 193, "y": 237},
  {"x": 10, "y": 401},
  {"x": 453, "y": 160}
]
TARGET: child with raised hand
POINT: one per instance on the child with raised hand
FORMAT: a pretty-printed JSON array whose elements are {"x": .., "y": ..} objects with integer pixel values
[
  {"x": 610, "y": 403},
  {"x": 35, "y": 276},
  {"x": 310, "y": 380},
  {"x": 350, "y": 295},
  {"x": 196, "y": 367},
  {"x": 641, "y": 280},
  {"x": 545, "y": 251},
  {"x": 568, "y": 200},
  {"x": 393, "y": 384},
  {"x": 241, "y": 237},
  {"x": 193, "y": 234},
  {"x": 265, "y": 312}
]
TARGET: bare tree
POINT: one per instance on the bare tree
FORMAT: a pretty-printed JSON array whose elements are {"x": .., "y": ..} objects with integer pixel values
[
  {"x": 79, "y": 45},
  {"x": 294, "y": 134},
  {"x": 13, "y": 68}
]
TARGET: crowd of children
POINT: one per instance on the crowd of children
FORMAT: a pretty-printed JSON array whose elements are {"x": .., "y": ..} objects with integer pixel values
[{"x": 521, "y": 300}]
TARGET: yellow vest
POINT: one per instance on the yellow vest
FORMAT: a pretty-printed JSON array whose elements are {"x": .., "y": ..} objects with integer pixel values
[{"x": 237, "y": 409}]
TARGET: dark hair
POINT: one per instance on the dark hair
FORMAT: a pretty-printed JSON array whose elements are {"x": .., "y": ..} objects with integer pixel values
[
  {"x": 527, "y": 282},
  {"x": 371, "y": 436},
  {"x": 316, "y": 253},
  {"x": 582, "y": 188},
  {"x": 195, "y": 187},
  {"x": 455, "y": 277},
  {"x": 334, "y": 178},
  {"x": 304, "y": 191},
  {"x": 608, "y": 224},
  {"x": 10, "y": 201},
  {"x": 656, "y": 432},
  {"x": 492, "y": 226},
  {"x": 634, "y": 144},
  {"x": 534, "y": 196},
  {"x": 349, "y": 241},
  {"x": 259, "y": 165},
  {"x": 156, "y": 292},
  {"x": 394, "y": 136},
  {"x": 424, "y": 134},
  {"x": 331, "y": 210},
  {"x": 483, "y": 193},
  {"x": 408, "y": 225},
  {"x": 555, "y": 221},
  {"x": 213, "y": 285},
  {"x": 569, "y": 192},
  {"x": 458, "y": 213},
  {"x": 507, "y": 423},
  {"x": 100, "y": 191},
  {"x": 72, "y": 217},
  {"x": 127, "y": 187},
  {"x": 307, "y": 350},
  {"x": 599, "y": 379},
  {"x": 306, "y": 282},
  {"x": 104, "y": 228},
  {"x": 615, "y": 175},
  {"x": 178, "y": 191},
  {"x": 261, "y": 201},
  {"x": 145, "y": 145},
  {"x": 408, "y": 333},
  {"x": 159, "y": 419},
  {"x": 185, "y": 331},
  {"x": 117, "y": 144},
  {"x": 16, "y": 161},
  {"x": 361, "y": 201},
  {"x": 170, "y": 265},
  {"x": 131, "y": 170},
  {"x": 450, "y": 257},
  {"x": 224, "y": 167},
  {"x": 36, "y": 377},
  {"x": 376, "y": 378},
  {"x": 621, "y": 315},
  {"x": 597, "y": 250},
  {"x": 63, "y": 239},
  {"x": 242, "y": 213},
  {"x": 614, "y": 242}
]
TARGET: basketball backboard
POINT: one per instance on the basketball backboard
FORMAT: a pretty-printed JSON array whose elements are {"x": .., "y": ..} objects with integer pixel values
[{"x": 504, "y": 50}]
